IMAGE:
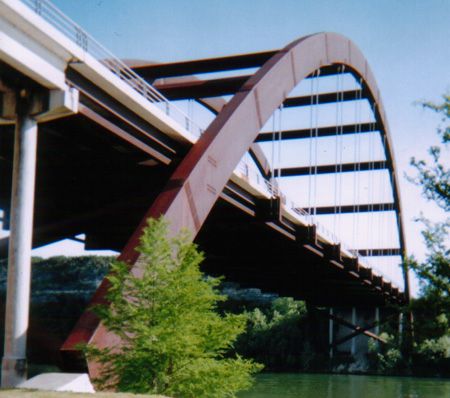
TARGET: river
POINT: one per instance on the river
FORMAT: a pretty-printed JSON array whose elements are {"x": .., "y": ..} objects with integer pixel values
[{"x": 276, "y": 385}]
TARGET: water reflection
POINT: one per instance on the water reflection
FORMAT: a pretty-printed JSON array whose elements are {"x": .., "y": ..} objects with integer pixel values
[{"x": 272, "y": 385}]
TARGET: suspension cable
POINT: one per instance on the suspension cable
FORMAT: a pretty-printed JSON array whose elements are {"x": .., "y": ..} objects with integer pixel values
[
  {"x": 280, "y": 139},
  {"x": 382, "y": 188},
  {"x": 272, "y": 163},
  {"x": 311, "y": 134},
  {"x": 338, "y": 151},
  {"x": 316, "y": 140},
  {"x": 341, "y": 149},
  {"x": 336, "y": 148},
  {"x": 370, "y": 181},
  {"x": 357, "y": 166}
]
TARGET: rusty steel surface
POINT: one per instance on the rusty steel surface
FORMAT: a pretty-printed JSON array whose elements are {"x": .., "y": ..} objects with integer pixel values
[
  {"x": 200, "y": 178},
  {"x": 201, "y": 88},
  {"x": 152, "y": 71}
]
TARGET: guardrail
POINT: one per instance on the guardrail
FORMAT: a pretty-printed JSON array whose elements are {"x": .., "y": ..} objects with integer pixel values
[
  {"x": 52, "y": 15},
  {"x": 253, "y": 175}
]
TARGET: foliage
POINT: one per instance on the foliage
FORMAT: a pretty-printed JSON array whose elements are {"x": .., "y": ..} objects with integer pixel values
[
  {"x": 59, "y": 276},
  {"x": 435, "y": 182},
  {"x": 173, "y": 341},
  {"x": 432, "y": 310},
  {"x": 435, "y": 178},
  {"x": 61, "y": 288},
  {"x": 277, "y": 336},
  {"x": 434, "y": 272},
  {"x": 385, "y": 358},
  {"x": 431, "y": 351}
]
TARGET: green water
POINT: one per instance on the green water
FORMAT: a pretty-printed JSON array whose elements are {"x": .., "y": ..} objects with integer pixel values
[{"x": 271, "y": 385}]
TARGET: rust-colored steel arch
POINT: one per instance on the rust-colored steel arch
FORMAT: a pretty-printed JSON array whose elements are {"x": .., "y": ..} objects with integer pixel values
[{"x": 199, "y": 179}]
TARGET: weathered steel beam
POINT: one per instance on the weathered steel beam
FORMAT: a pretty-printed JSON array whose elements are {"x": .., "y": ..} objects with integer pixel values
[
  {"x": 357, "y": 208},
  {"x": 359, "y": 330},
  {"x": 324, "y": 98},
  {"x": 320, "y": 132},
  {"x": 233, "y": 62},
  {"x": 396, "y": 251},
  {"x": 124, "y": 135},
  {"x": 201, "y": 88},
  {"x": 330, "y": 168},
  {"x": 216, "y": 105},
  {"x": 356, "y": 328},
  {"x": 109, "y": 108},
  {"x": 179, "y": 89}
]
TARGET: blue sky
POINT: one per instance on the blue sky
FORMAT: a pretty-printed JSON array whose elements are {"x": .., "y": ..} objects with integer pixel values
[{"x": 405, "y": 42}]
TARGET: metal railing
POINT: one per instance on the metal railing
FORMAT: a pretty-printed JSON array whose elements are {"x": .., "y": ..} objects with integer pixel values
[
  {"x": 253, "y": 175},
  {"x": 52, "y": 15}
]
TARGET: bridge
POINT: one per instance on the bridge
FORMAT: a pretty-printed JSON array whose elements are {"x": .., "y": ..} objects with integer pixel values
[{"x": 280, "y": 164}]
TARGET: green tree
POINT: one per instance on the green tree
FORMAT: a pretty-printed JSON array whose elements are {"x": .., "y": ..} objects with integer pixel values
[
  {"x": 432, "y": 310},
  {"x": 279, "y": 336},
  {"x": 174, "y": 342},
  {"x": 434, "y": 179}
]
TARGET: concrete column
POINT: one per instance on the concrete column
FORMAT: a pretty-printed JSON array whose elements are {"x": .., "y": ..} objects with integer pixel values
[
  {"x": 377, "y": 320},
  {"x": 14, "y": 366},
  {"x": 353, "y": 341},
  {"x": 330, "y": 333}
]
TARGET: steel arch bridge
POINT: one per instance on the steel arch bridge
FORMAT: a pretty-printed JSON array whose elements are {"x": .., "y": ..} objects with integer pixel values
[
  {"x": 203, "y": 175},
  {"x": 290, "y": 186}
]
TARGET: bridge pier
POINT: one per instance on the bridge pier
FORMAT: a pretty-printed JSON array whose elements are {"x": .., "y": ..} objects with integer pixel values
[
  {"x": 331, "y": 332},
  {"x": 349, "y": 334},
  {"x": 353, "y": 340},
  {"x": 14, "y": 364}
]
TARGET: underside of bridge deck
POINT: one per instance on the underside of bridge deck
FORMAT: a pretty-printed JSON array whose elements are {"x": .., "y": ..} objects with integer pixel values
[
  {"x": 92, "y": 182},
  {"x": 88, "y": 181}
]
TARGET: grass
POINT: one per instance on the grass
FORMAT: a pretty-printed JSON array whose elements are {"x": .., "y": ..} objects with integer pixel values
[{"x": 52, "y": 394}]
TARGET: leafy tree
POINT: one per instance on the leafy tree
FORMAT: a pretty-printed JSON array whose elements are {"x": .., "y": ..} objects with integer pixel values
[
  {"x": 278, "y": 336},
  {"x": 173, "y": 341},
  {"x": 434, "y": 179},
  {"x": 385, "y": 358},
  {"x": 432, "y": 310}
]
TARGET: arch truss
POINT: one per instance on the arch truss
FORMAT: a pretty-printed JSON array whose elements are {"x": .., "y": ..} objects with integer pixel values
[{"x": 306, "y": 125}]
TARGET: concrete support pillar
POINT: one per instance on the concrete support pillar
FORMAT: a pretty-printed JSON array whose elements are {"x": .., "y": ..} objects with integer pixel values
[
  {"x": 353, "y": 342},
  {"x": 377, "y": 320},
  {"x": 330, "y": 333},
  {"x": 14, "y": 366}
]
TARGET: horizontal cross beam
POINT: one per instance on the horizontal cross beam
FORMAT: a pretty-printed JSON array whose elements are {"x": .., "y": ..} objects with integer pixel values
[
  {"x": 233, "y": 62},
  {"x": 330, "y": 168},
  {"x": 206, "y": 88},
  {"x": 323, "y": 98},
  {"x": 361, "y": 208},
  {"x": 319, "y": 132},
  {"x": 201, "y": 88},
  {"x": 357, "y": 330},
  {"x": 380, "y": 252}
]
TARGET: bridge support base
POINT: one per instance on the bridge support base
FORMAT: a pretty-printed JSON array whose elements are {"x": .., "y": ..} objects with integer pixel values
[
  {"x": 350, "y": 331},
  {"x": 14, "y": 364}
]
